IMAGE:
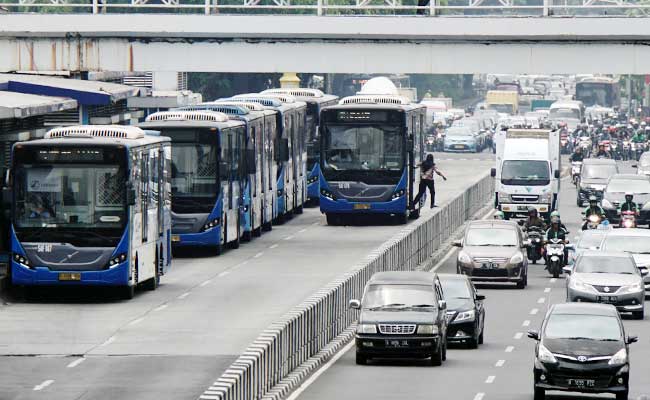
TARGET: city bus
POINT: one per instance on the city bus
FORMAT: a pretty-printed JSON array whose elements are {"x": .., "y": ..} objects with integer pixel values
[
  {"x": 91, "y": 206},
  {"x": 601, "y": 91},
  {"x": 291, "y": 152},
  {"x": 207, "y": 170},
  {"x": 316, "y": 100},
  {"x": 258, "y": 190},
  {"x": 370, "y": 148}
]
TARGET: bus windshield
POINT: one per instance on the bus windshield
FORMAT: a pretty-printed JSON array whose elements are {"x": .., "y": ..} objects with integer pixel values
[
  {"x": 595, "y": 94},
  {"x": 57, "y": 197},
  {"x": 375, "y": 147}
]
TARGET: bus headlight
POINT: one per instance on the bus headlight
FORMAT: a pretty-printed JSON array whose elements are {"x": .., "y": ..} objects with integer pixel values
[
  {"x": 312, "y": 179},
  {"x": 211, "y": 224},
  {"x": 398, "y": 194},
  {"x": 22, "y": 260},
  {"x": 328, "y": 194},
  {"x": 115, "y": 261}
]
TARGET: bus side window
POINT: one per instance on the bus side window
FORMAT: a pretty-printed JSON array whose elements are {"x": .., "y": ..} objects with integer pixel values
[{"x": 144, "y": 192}]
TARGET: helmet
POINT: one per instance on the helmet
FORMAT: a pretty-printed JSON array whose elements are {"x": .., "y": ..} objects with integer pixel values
[
  {"x": 630, "y": 195},
  {"x": 555, "y": 214},
  {"x": 555, "y": 219},
  {"x": 562, "y": 124},
  {"x": 532, "y": 211},
  {"x": 499, "y": 215},
  {"x": 593, "y": 199},
  {"x": 643, "y": 123},
  {"x": 612, "y": 129}
]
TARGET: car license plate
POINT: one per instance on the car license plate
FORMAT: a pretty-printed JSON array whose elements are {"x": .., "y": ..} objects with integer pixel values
[
  {"x": 69, "y": 276},
  {"x": 522, "y": 208},
  {"x": 581, "y": 382},
  {"x": 362, "y": 206},
  {"x": 396, "y": 343},
  {"x": 459, "y": 146},
  {"x": 607, "y": 299},
  {"x": 176, "y": 238},
  {"x": 489, "y": 265}
]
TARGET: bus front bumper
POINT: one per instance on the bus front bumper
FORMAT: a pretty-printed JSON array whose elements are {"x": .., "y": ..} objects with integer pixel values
[
  {"x": 43, "y": 276},
  {"x": 210, "y": 237},
  {"x": 397, "y": 206}
]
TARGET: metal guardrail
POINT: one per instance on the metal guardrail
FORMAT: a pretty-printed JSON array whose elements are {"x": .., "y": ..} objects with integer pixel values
[
  {"x": 309, "y": 327},
  {"x": 452, "y": 8}
]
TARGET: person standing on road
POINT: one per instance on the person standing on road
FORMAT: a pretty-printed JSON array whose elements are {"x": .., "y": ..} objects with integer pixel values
[{"x": 428, "y": 168}]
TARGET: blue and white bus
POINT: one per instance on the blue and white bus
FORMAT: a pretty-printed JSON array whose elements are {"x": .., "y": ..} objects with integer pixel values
[
  {"x": 258, "y": 188},
  {"x": 316, "y": 100},
  {"x": 91, "y": 206},
  {"x": 370, "y": 148},
  {"x": 290, "y": 150},
  {"x": 208, "y": 172}
]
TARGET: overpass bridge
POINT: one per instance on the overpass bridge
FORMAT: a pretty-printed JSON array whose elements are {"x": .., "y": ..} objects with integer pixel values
[{"x": 328, "y": 44}]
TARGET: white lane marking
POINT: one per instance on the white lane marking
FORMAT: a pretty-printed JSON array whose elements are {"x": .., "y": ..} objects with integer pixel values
[
  {"x": 444, "y": 259},
  {"x": 479, "y": 396},
  {"x": 518, "y": 335},
  {"x": 108, "y": 341},
  {"x": 206, "y": 283},
  {"x": 509, "y": 349},
  {"x": 258, "y": 255},
  {"x": 273, "y": 246},
  {"x": 534, "y": 311},
  {"x": 289, "y": 237},
  {"x": 500, "y": 363},
  {"x": 160, "y": 308},
  {"x": 553, "y": 280},
  {"x": 76, "y": 362},
  {"x": 490, "y": 379},
  {"x": 184, "y": 295},
  {"x": 547, "y": 290},
  {"x": 302, "y": 230},
  {"x": 223, "y": 273},
  {"x": 526, "y": 323},
  {"x": 135, "y": 321},
  {"x": 44, "y": 385},
  {"x": 541, "y": 300},
  {"x": 486, "y": 216},
  {"x": 321, "y": 371}
]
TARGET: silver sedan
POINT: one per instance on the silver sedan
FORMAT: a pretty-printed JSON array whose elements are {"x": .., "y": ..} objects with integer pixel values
[{"x": 612, "y": 278}]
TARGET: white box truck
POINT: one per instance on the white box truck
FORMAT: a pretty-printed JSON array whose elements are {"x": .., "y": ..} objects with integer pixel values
[{"x": 527, "y": 171}]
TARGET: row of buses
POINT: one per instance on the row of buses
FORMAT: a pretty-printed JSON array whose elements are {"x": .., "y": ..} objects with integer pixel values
[{"x": 105, "y": 205}]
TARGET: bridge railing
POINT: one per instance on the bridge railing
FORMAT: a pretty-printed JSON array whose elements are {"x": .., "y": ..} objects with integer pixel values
[{"x": 439, "y": 8}]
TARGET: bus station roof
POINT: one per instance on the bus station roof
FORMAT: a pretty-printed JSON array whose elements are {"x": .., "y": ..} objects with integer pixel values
[{"x": 20, "y": 105}]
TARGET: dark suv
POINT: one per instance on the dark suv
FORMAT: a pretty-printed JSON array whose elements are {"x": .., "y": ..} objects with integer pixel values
[
  {"x": 403, "y": 316},
  {"x": 594, "y": 174}
]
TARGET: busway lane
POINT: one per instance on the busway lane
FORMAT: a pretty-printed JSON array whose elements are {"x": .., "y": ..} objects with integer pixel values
[
  {"x": 206, "y": 311},
  {"x": 501, "y": 368}
]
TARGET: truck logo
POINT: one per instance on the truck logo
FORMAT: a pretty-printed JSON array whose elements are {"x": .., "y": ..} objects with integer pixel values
[{"x": 529, "y": 189}]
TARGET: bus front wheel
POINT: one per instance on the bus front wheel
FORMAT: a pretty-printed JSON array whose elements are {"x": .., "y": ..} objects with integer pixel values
[
  {"x": 152, "y": 284},
  {"x": 333, "y": 219},
  {"x": 127, "y": 292}
]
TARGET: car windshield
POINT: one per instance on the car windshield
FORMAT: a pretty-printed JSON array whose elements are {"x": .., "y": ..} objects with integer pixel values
[
  {"x": 455, "y": 289},
  {"x": 471, "y": 124},
  {"x": 491, "y": 237},
  {"x": 516, "y": 172},
  {"x": 458, "y": 131},
  {"x": 376, "y": 147},
  {"x": 386, "y": 296},
  {"x": 636, "y": 186},
  {"x": 578, "y": 326},
  {"x": 628, "y": 244},
  {"x": 605, "y": 265},
  {"x": 598, "y": 171},
  {"x": 590, "y": 241}
]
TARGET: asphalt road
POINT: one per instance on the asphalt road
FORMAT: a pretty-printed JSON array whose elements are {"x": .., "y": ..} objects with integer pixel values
[
  {"x": 174, "y": 342},
  {"x": 500, "y": 369}
]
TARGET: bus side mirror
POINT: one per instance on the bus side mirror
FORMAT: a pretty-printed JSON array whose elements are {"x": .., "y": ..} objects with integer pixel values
[
  {"x": 493, "y": 172},
  {"x": 251, "y": 165},
  {"x": 557, "y": 174},
  {"x": 130, "y": 196}
]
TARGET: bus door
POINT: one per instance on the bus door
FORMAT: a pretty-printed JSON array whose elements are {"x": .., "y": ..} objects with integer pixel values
[{"x": 411, "y": 137}]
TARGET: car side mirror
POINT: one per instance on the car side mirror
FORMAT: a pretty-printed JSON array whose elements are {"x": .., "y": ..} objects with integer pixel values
[
  {"x": 533, "y": 334},
  {"x": 251, "y": 165},
  {"x": 493, "y": 172},
  {"x": 480, "y": 297},
  {"x": 570, "y": 246},
  {"x": 130, "y": 196},
  {"x": 354, "y": 304},
  {"x": 442, "y": 304},
  {"x": 567, "y": 270},
  {"x": 457, "y": 243},
  {"x": 631, "y": 339},
  {"x": 557, "y": 174},
  {"x": 635, "y": 166},
  {"x": 644, "y": 272}
]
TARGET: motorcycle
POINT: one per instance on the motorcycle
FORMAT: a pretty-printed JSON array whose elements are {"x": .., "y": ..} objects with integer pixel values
[
  {"x": 555, "y": 256},
  {"x": 615, "y": 150},
  {"x": 564, "y": 144},
  {"x": 593, "y": 221},
  {"x": 576, "y": 166},
  {"x": 625, "y": 154},
  {"x": 536, "y": 235},
  {"x": 628, "y": 219},
  {"x": 585, "y": 143},
  {"x": 638, "y": 150},
  {"x": 430, "y": 143}
]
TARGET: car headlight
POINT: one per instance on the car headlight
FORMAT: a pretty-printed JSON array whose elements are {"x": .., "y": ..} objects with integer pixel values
[
  {"x": 545, "y": 198},
  {"x": 517, "y": 258},
  {"x": 637, "y": 287},
  {"x": 577, "y": 284},
  {"x": 503, "y": 197},
  {"x": 464, "y": 258},
  {"x": 367, "y": 328},
  {"x": 465, "y": 316},
  {"x": 606, "y": 204},
  {"x": 545, "y": 356},
  {"x": 427, "y": 330},
  {"x": 619, "y": 358}
]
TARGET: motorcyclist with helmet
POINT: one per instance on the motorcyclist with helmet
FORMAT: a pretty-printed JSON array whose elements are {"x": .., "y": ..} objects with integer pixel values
[
  {"x": 602, "y": 152},
  {"x": 499, "y": 215},
  {"x": 577, "y": 155},
  {"x": 629, "y": 204},
  {"x": 557, "y": 230},
  {"x": 593, "y": 209},
  {"x": 534, "y": 219}
]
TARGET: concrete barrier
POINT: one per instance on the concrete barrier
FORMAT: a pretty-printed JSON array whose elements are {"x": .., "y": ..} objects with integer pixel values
[{"x": 309, "y": 328}]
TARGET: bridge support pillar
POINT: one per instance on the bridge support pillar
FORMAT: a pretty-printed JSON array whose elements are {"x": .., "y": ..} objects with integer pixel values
[{"x": 289, "y": 80}]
